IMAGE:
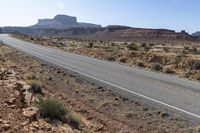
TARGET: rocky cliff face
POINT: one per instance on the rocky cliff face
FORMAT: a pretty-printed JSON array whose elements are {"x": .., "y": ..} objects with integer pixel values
[
  {"x": 128, "y": 33},
  {"x": 62, "y": 22}
]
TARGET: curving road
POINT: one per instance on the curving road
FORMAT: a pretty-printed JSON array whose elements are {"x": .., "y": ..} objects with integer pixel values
[{"x": 178, "y": 95}]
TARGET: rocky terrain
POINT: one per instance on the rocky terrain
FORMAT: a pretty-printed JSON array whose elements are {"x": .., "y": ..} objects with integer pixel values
[
  {"x": 175, "y": 58},
  {"x": 18, "y": 110},
  {"x": 99, "y": 109}
]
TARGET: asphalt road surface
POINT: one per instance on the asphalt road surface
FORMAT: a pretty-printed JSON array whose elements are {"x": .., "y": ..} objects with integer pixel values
[{"x": 178, "y": 95}]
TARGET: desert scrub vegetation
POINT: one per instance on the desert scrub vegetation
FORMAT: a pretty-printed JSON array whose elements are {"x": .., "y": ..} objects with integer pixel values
[
  {"x": 140, "y": 64},
  {"x": 156, "y": 66},
  {"x": 90, "y": 45},
  {"x": 187, "y": 74},
  {"x": 197, "y": 65},
  {"x": 52, "y": 108},
  {"x": 168, "y": 70},
  {"x": 55, "y": 109},
  {"x": 197, "y": 76},
  {"x": 36, "y": 85},
  {"x": 180, "y": 55},
  {"x": 133, "y": 46}
]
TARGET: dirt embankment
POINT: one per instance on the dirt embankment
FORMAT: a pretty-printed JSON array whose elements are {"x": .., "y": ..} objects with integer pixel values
[{"x": 100, "y": 109}]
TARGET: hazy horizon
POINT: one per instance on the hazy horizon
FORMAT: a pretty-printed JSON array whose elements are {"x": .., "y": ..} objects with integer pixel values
[{"x": 159, "y": 14}]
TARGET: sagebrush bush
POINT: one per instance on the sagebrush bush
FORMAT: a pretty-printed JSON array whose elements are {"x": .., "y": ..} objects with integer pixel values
[
  {"x": 197, "y": 65},
  {"x": 187, "y": 74},
  {"x": 52, "y": 108},
  {"x": 75, "y": 120},
  {"x": 36, "y": 85},
  {"x": 156, "y": 66},
  {"x": 197, "y": 76},
  {"x": 180, "y": 55},
  {"x": 140, "y": 64},
  {"x": 143, "y": 45},
  {"x": 90, "y": 45},
  {"x": 133, "y": 46},
  {"x": 168, "y": 70}
]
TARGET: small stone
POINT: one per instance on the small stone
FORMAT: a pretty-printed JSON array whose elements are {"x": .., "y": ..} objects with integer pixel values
[
  {"x": 6, "y": 126},
  {"x": 66, "y": 129},
  {"x": 12, "y": 106},
  {"x": 164, "y": 114},
  {"x": 24, "y": 123},
  {"x": 5, "y": 122},
  {"x": 35, "y": 125},
  {"x": 82, "y": 110},
  {"x": 56, "y": 122},
  {"x": 116, "y": 98},
  {"x": 130, "y": 115},
  {"x": 47, "y": 119},
  {"x": 32, "y": 113},
  {"x": 148, "y": 114},
  {"x": 115, "y": 104},
  {"x": 125, "y": 131},
  {"x": 145, "y": 109},
  {"x": 90, "y": 118},
  {"x": 137, "y": 103},
  {"x": 11, "y": 101},
  {"x": 100, "y": 128}
]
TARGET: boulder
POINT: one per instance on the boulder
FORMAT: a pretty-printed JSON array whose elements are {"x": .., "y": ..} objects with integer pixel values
[{"x": 32, "y": 113}]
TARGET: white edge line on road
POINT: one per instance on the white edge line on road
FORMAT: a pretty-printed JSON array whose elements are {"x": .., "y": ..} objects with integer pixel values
[{"x": 135, "y": 93}]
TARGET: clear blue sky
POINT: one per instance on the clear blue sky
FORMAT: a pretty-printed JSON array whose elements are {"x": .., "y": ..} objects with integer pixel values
[{"x": 170, "y": 14}]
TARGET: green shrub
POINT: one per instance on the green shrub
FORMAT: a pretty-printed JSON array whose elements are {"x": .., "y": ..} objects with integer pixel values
[
  {"x": 75, "y": 120},
  {"x": 123, "y": 60},
  {"x": 195, "y": 51},
  {"x": 143, "y": 45},
  {"x": 151, "y": 44},
  {"x": 133, "y": 46},
  {"x": 90, "y": 45},
  {"x": 36, "y": 85},
  {"x": 156, "y": 66},
  {"x": 140, "y": 64},
  {"x": 168, "y": 70},
  {"x": 110, "y": 58},
  {"x": 147, "y": 48},
  {"x": 198, "y": 128},
  {"x": 197, "y": 65},
  {"x": 197, "y": 76},
  {"x": 180, "y": 55},
  {"x": 187, "y": 74},
  {"x": 52, "y": 108}
]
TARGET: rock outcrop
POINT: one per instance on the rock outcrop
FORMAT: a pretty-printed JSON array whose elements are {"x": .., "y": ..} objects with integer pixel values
[
  {"x": 62, "y": 22},
  {"x": 129, "y": 33}
]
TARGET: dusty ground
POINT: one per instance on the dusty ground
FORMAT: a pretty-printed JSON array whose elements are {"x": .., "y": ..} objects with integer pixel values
[
  {"x": 182, "y": 59},
  {"x": 100, "y": 109},
  {"x": 18, "y": 112}
]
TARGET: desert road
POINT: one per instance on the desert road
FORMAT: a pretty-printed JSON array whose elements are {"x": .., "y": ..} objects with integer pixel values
[{"x": 169, "y": 92}]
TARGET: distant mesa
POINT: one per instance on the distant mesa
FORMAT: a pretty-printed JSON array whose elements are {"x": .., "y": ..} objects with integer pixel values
[
  {"x": 63, "y": 22},
  {"x": 64, "y": 25},
  {"x": 196, "y": 34}
]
